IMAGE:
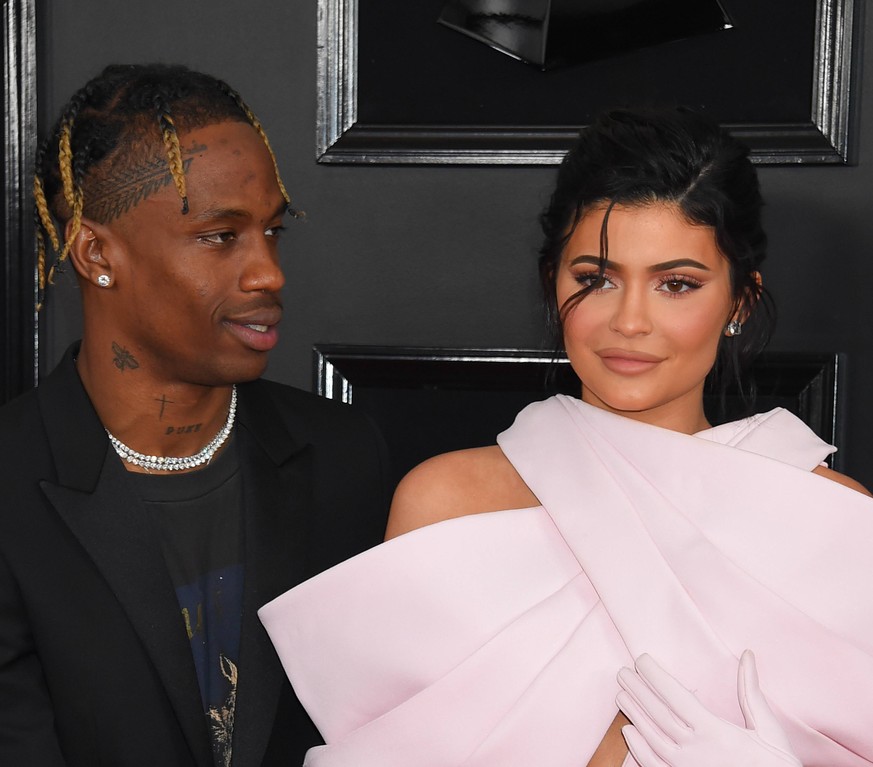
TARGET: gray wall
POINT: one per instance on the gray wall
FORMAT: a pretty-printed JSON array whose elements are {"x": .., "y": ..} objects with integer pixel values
[{"x": 424, "y": 256}]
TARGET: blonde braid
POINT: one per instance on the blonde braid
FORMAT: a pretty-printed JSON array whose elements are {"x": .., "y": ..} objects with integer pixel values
[
  {"x": 78, "y": 207},
  {"x": 40, "y": 263},
  {"x": 72, "y": 191},
  {"x": 174, "y": 155},
  {"x": 45, "y": 217},
  {"x": 256, "y": 124},
  {"x": 44, "y": 223},
  {"x": 65, "y": 161}
]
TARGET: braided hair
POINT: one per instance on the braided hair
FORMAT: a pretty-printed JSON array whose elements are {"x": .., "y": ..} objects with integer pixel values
[{"x": 109, "y": 129}]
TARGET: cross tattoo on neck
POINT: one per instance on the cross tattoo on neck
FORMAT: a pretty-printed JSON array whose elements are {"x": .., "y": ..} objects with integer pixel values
[{"x": 164, "y": 402}]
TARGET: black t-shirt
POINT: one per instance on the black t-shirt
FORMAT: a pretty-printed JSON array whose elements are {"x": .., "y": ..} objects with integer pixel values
[{"x": 198, "y": 517}]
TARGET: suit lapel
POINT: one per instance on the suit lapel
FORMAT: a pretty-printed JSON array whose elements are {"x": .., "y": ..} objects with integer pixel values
[
  {"x": 276, "y": 490},
  {"x": 93, "y": 496},
  {"x": 98, "y": 504}
]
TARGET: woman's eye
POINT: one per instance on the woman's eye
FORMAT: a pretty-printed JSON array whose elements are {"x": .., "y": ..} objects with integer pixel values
[
  {"x": 594, "y": 281},
  {"x": 217, "y": 238},
  {"x": 677, "y": 285},
  {"x": 274, "y": 231}
]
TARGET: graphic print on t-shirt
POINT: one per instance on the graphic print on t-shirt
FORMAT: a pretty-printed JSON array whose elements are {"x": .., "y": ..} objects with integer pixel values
[
  {"x": 198, "y": 518},
  {"x": 211, "y": 608}
]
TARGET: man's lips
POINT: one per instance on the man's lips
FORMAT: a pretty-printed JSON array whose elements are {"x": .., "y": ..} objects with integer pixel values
[
  {"x": 257, "y": 330},
  {"x": 628, "y": 362}
]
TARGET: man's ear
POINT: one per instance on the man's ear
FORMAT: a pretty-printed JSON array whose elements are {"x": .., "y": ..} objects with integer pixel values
[{"x": 87, "y": 253}]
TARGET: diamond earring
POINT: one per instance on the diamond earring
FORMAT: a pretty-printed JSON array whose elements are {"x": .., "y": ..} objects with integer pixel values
[
  {"x": 103, "y": 280},
  {"x": 733, "y": 328}
]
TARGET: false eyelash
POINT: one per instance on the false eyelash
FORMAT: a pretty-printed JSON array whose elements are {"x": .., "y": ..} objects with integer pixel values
[
  {"x": 684, "y": 279},
  {"x": 584, "y": 277}
]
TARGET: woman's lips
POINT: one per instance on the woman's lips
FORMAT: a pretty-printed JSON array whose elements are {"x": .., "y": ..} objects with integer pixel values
[{"x": 627, "y": 362}]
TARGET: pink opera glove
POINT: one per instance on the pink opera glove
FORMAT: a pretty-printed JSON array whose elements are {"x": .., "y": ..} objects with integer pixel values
[{"x": 672, "y": 728}]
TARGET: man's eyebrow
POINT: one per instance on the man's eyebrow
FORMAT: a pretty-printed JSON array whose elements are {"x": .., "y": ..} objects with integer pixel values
[{"x": 211, "y": 214}]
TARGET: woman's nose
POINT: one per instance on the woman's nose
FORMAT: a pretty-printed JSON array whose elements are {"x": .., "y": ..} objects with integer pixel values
[{"x": 631, "y": 317}]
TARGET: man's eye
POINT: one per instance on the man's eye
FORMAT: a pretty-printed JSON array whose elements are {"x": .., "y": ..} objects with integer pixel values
[
  {"x": 218, "y": 238},
  {"x": 274, "y": 231}
]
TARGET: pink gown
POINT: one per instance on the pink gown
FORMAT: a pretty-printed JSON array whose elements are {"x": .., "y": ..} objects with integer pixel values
[{"x": 494, "y": 639}]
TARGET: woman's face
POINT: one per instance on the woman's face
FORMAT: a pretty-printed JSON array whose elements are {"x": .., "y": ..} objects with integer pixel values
[{"x": 644, "y": 339}]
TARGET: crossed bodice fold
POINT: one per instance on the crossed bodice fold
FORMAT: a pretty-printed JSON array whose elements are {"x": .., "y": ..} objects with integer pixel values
[{"x": 494, "y": 639}]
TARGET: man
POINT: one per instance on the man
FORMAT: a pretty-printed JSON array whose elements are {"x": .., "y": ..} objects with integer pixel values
[{"x": 156, "y": 491}]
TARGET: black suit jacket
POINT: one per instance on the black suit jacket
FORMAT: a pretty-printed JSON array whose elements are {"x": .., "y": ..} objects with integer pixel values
[{"x": 95, "y": 666}]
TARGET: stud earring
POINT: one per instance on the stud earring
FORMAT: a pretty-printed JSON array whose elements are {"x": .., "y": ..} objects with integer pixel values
[
  {"x": 103, "y": 280},
  {"x": 733, "y": 328}
]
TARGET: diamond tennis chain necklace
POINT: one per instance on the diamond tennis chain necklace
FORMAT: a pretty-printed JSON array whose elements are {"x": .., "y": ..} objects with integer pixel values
[{"x": 171, "y": 463}]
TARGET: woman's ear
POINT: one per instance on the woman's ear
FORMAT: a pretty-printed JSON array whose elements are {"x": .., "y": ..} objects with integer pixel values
[
  {"x": 87, "y": 253},
  {"x": 751, "y": 295},
  {"x": 744, "y": 307}
]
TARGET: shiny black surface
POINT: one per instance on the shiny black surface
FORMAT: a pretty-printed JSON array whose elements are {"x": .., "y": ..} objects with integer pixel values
[{"x": 552, "y": 33}]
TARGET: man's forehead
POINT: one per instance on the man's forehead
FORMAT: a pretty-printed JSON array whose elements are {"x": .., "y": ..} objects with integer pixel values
[{"x": 224, "y": 133}]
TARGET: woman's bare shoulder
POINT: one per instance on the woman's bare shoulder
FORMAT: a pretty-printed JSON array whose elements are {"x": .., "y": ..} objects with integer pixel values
[
  {"x": 824, "y": 471},
  {"x": 454, "y": 485}
]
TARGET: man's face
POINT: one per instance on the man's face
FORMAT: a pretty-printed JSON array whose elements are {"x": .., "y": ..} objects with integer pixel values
[{"x": 196, "y": 297}]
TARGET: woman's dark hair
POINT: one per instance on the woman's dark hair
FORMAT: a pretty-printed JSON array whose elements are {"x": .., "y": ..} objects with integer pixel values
[
  {"x": 124, "y": 123},
  {"x": 640, "y": 157}
]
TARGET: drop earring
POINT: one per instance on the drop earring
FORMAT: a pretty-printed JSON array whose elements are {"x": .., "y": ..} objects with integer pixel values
[
  {"x": 733, "y": 328},
  {"x": 103, "y": 280}
]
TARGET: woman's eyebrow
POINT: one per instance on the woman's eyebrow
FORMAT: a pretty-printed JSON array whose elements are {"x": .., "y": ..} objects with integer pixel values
[
  {"x": 678, "y": 264},
  {"x": 593, "y": 260}
]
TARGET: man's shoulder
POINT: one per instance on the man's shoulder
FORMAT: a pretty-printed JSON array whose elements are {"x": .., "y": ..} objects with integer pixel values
[
  {"x": 286, "y": 393},
  {"x": 346, "y": 456},
  {"x": 24, "y": 446},
  {"x": 57, "y": 391},
  {"x": 20, "y": 415},
  {"x": 303, "y": 408},
  {"x": 287, "y": 396}
]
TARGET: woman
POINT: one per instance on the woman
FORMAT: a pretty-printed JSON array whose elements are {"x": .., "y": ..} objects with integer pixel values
[{"x": 626, "y": 525}]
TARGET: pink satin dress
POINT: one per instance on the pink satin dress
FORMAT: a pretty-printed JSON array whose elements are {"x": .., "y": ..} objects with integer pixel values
[{"x": 494, "y": 639}]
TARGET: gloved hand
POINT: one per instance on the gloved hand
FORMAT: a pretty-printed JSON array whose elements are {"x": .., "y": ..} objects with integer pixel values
[{"x": 671, "y": 727}]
